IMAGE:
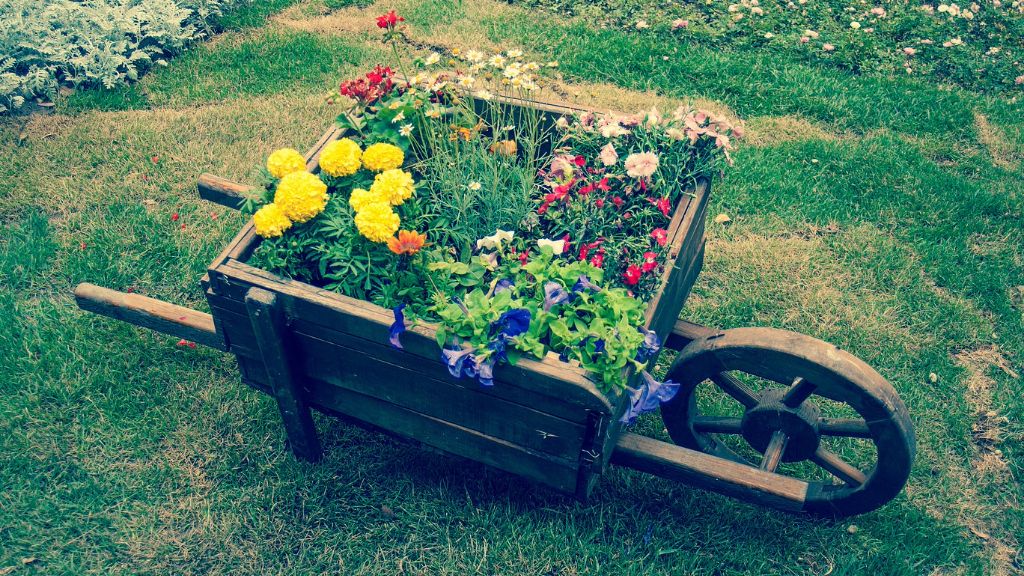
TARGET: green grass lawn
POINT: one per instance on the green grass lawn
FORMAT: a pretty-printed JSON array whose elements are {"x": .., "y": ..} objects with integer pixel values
[{"x": 882, "y": 213}]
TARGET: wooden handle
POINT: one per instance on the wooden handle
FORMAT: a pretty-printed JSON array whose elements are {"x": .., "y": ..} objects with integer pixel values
[
  {"x": 223, "y": 191},
  {"x": 710, "y": 472},
  {"x": 150, "y": 313}
]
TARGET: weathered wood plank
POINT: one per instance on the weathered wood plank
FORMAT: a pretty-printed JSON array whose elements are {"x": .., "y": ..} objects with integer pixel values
[
  {"x": 548, "y": 377},
  {"x": 445, "y": 436},
  {"x": 710, "y": 472},
  {"x": 373, "y": 375},
  {"x": 171, "y": 319},
  {"x": 268, "y": 324},
  {"x": 241, "y": 337}
]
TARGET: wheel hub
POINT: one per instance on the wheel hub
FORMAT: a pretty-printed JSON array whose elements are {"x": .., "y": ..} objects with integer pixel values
[{"x": 800, "y": 425}]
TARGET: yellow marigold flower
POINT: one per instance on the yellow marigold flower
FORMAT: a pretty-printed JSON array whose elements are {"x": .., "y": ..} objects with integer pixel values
[
  {"x": 270, "y": 221},
  {"x": 341, "y": 157},
  {"x": 300, "y": 196},
  {"x": 396, "y": 185},
  {"x": 382, "y": 156},
  {"x": 408, "y": 242},
  {"x": 359, "y": 198},
  {"x": 285, "y": 161},
  {"x": 377, "y": 221}
]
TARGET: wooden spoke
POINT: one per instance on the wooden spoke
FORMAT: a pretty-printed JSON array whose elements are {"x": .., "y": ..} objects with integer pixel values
[
  {"x": 773, "y": 453},
  {"x": 849, "y": 427},
  {"x": 798, "y": 392},
  {"x": 733, "y": 387},
  {"x": 717, "y": 424},
  {"x": 838, "y": 467}
]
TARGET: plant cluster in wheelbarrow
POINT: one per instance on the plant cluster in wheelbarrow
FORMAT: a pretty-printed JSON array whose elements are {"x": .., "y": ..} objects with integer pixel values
[{"x": 515, "y": 233}]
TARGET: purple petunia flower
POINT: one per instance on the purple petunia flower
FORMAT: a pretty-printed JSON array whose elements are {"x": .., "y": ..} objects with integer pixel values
[
  {"x": 554, "y": 293},
  {"x": 485, "y": 370},
  {"x": 502, "y": 285},
  {"x": 584, "y": 283},
  {"x": 648, "y": 397},
  {"x": 398, "y": 326},
  {"x": 459, "y": 361},
  {"x": 650, "y": 345}
]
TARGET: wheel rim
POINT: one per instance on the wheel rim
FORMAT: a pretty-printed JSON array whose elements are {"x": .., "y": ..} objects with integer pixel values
[{"x": 785, "y": 423}]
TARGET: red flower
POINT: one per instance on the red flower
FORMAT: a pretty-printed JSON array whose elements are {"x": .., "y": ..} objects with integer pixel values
[
  {"x": 187, "y": 343},
  {"x": 603, "y": 185},
  {"x": 579, "y": 161},
  {"x": 586, "y": 248},
  {"x": 376, "y": 84},
  {"x": 632, "y": 275},
  {"x": 598, "y": 259},
  {"x": 389, "y": 20},
  {"x": 600, "y": 202},
  {"x": 174, "y": 217},
  {"x": 650, "y": 262},
  {"x": 523, "y": 256},
  {"x": 660, "y": 236},
  {"x": 617, "y": 201},
  {"x": 565, "y": 239},
  {"x": 663, "y": 205},
  {"x": 627, "y": 215}
]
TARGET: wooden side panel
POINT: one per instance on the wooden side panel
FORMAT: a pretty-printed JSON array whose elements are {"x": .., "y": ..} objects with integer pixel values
[{"x": 687, "y": 241}]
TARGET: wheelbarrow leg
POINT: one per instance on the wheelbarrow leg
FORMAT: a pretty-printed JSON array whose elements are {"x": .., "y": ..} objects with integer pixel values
[{"x": 268, "y": 324}]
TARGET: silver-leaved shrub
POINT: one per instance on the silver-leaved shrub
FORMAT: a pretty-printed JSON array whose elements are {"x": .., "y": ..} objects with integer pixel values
[{"x": 48, "y": 43}]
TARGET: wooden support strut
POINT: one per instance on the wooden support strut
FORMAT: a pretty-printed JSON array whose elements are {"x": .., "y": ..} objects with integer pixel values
[{"x": 268, "y": 324}]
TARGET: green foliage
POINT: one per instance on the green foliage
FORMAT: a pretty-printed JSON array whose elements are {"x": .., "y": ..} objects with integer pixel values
[
  {"x": 473, "y": 192},
  {"x": 582, "y": 322}
]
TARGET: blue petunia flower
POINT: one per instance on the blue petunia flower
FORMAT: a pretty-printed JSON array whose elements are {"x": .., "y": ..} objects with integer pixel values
[
  {"x": 584, "y": 283},
  {"x": 459, "y": 361},
  {"x": 648, "y": 397},
  {"x": 512, "y": 322},
  {"x": 650, "y": 345},
  {"x": 398, "y": 326},
  {"x": 554, "y": 293}
]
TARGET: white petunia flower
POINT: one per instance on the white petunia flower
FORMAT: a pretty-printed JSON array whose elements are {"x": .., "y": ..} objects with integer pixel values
[{"x": 557, "y": 246}]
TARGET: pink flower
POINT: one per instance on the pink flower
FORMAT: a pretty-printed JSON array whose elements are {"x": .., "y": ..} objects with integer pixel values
[
  {"x": 660, "y": 236},
  {"x": 909, "y": 51},
  {"x": 563, "y": 167},
  {"x": 1019, "y": 80},
  {"x": 680, "y": 23},
  {"x": 804, "y": 39},
  {"x": 642, "y": 164},
  {"x": 608, "y": 155},
  {"x": 878, "y": 11},
  {"x": 827, "y": 47}
]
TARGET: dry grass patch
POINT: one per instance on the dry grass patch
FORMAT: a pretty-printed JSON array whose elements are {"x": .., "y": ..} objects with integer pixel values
[
  {"x": 793, "y": 279},
  {"x": 772, "y": 130},
  {"x": 989, "y": 472},
  {"x": 1004, "y": 154}
]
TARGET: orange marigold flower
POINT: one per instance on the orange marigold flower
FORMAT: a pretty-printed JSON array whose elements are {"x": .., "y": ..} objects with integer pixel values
[{"x": 408, "y": 242}]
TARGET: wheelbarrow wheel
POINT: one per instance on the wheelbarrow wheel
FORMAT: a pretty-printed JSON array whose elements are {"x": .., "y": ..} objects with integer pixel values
[{"x": 794, "y": 406}]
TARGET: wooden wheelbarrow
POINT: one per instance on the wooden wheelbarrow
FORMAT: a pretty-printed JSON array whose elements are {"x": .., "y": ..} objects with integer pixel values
[{"x": 800, "y": 425}]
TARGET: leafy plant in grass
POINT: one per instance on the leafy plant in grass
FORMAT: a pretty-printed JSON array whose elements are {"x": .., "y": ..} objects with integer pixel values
[{"x": 98, "y": 43}]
